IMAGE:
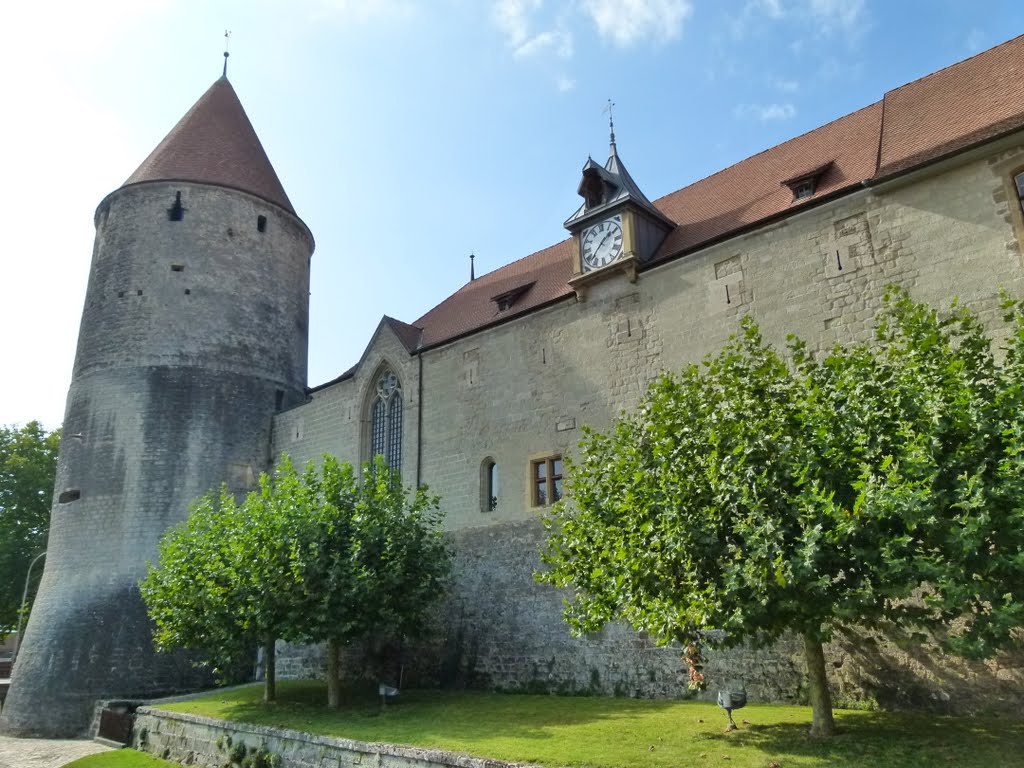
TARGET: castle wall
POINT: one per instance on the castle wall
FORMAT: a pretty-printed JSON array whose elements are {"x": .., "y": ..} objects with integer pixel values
[
  {"x": 522, "y": 390},
  {"x": 193, "y": 334}
]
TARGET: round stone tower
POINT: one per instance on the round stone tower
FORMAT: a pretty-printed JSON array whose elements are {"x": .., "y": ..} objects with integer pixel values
[{"x": 194, "y": 333}]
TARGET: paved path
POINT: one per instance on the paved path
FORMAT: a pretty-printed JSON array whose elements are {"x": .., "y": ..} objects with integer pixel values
[{"x": 44, "y": 753}]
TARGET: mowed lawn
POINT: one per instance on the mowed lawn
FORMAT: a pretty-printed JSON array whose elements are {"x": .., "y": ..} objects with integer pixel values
[{"x": 626, "y": 733}]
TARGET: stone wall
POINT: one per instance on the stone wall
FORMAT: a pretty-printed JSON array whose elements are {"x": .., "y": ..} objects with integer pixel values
[
  {"x": 201, "y": 741},
  {"x": 522, "y": 391}
]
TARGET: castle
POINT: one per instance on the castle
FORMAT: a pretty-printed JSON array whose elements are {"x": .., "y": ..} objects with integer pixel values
[{"x": 191, "y": 371}]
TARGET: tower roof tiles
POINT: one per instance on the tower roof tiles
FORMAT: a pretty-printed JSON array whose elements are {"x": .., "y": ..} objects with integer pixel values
[{"x": 214, "y": 143}]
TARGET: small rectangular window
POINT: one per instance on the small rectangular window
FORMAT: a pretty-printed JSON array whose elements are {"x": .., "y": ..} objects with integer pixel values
[
  {"x": 1019, "y": 180},
  {"x": 546, "y": 480}
]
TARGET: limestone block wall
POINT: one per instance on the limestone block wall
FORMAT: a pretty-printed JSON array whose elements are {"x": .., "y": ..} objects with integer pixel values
[
  {"x": 334, "y": 420},
  {"x": 521, "y": 391},
  {"x": 201, "y": 741}
]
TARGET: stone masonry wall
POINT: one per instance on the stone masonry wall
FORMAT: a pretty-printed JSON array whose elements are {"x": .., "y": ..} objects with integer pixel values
[
  {"x": 522, "y": 391},
  {"x": 201, "y": 741}
]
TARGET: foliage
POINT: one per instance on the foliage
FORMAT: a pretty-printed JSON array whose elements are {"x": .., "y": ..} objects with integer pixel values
[
  {"x": 881, "y": 483},
  {"x": 28, "y": 466},
  {"x": 619, "y": 733},
  {"x": 373, "y": 560},
  {"x": 316, "y": 556},
  {"x": 226, "y": 582}
]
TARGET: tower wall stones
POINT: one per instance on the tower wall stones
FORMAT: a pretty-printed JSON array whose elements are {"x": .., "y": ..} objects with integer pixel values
[{"x": 194, "y": 333}]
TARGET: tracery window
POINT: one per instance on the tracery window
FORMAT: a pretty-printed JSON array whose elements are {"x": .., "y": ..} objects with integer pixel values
[{"x": 386, "y": 420}]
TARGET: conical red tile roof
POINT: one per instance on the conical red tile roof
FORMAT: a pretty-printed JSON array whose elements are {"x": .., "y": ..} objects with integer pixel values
[{"x": 214, "y": 143}]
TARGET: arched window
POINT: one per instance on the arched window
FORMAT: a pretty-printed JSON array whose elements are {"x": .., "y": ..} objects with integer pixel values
[
  {"x": 386, "y": 420},
  {"x": 489, "y": 488}
]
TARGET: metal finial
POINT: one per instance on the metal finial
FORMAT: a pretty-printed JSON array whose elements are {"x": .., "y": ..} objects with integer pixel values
[
  {"x": 611, "y": 123},
  {"x": 227, "y": 35},
  {"x": 472, "y": 271}
]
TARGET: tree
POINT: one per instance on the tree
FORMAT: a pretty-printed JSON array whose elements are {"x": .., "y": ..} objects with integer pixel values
[
  {"x": 28, "y": 466},
  {"x": 225, "y": 581},
  {"x": 310, "y": 557},
  {"x": 881, "y": 483},
  {"x": 375, "y": 563}
]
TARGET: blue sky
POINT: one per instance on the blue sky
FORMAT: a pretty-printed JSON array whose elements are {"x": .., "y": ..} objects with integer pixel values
[{"x": 409, "y": 133}]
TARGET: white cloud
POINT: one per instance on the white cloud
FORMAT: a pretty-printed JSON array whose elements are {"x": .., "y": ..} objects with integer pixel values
[
  {"x": 513, "y": 18},
  {"x": 765, "y": 112},
  {"x": 516, "y": 19},
  {"x": 838, "y": 15},
  {"x": 565, "y": 84},
  {"x": 626, "y": 22},
  {"x": 975, "y": 40},
  {"x": 786, "y": 86},
  {"x": 558, "y": 41}
]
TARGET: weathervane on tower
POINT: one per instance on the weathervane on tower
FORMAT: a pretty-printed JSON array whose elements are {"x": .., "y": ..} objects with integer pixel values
[
  {"x": 611, "y": 123},
  {"x": 227, "y": 35}
]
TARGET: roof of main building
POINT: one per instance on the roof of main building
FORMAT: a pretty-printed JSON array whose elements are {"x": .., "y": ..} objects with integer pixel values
[
  {"x": 214, "y": 143},
  {"x": 960, "y": 106}
]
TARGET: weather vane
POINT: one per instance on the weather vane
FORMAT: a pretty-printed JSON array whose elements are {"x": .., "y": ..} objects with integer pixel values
[
  {"x": 611, "y": 121},
  {"x": 227, "y": 35}
]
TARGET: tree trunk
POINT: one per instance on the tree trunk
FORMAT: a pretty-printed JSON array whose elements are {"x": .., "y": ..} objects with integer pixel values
[
  {"x": 333, "y": 684},
  {"x": 269, "y": 671},
  {"x": 822, "y": 724}
]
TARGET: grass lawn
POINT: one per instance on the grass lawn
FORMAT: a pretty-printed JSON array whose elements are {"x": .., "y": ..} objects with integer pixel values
[
  {"x": 122, "y": 758},
  {"x": 627, "y": 733}
]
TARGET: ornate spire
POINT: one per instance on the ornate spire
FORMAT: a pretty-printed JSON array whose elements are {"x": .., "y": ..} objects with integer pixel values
[
  {"x": 472, "y": 271},
  {"x": 611, "y": 126},
  {"x": 227, "y": 34}
]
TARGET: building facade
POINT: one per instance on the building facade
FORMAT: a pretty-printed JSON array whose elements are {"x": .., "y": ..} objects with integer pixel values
[{"x": 483, "y": 396}]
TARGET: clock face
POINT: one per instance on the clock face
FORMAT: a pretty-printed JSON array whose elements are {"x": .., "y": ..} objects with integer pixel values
[{"x": 602, "y": 243}]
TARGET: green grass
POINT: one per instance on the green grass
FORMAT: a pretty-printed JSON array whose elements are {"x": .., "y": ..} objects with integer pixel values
[
  {"x": 627, "y": 733},
  {"x": 122, "y": 758}
]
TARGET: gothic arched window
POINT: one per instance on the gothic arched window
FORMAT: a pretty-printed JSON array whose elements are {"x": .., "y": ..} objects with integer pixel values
[{"x": 386, "y": 420}]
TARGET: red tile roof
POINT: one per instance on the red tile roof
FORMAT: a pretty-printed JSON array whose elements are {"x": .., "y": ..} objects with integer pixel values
[
  {"x": 956, "y": 107},
  {"x": 214, "y": 143},
  {"x": 953, "y": 109}
]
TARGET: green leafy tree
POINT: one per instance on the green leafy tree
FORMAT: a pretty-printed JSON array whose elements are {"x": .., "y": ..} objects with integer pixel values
[
  {"x": 225, "y": 582},
  {"x": 376, "y": 561},
  {"x": 28, "y": 466},
  {"x": 312, "y": 556},
  {"x": 879, "y": 484}
]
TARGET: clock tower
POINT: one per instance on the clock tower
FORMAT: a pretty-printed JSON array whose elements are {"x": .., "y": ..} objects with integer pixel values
[{"x": 616, "y": 229}]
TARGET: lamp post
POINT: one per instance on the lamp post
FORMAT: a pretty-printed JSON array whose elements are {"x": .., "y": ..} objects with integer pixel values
[{"x": 24, "y": 598}]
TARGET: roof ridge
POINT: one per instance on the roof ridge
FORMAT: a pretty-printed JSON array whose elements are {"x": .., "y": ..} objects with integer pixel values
[{"x": 954, "y": 64}]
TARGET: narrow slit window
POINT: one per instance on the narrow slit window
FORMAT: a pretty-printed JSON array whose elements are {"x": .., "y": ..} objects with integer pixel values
[
  {"x": 177, "y": 211},
  {"x": 261, "y": 223}
]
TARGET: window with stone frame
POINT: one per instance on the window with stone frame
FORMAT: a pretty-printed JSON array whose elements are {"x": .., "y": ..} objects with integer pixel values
[
  {"x": 546, "y": 481},
  {"x": 1018, "y": 181},
  {"x": 489, "y": 487},
  {"x": 386, "y": 420}
]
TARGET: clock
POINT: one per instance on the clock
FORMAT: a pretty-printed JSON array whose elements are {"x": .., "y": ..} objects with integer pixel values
[{"x": 602, "y": 243}]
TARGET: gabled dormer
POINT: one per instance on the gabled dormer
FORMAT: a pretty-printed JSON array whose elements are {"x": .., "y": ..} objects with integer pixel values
[{"x": 617, "y": 228}]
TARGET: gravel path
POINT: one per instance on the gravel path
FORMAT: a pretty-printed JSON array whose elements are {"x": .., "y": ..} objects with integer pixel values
[{"x": 44, "y": 753}]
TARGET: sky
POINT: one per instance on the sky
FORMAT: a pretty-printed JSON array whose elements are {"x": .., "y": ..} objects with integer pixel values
[{"x": 411, "y": 133}]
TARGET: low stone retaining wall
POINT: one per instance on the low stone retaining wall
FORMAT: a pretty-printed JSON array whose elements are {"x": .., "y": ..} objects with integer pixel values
[{"x": 202, "y": 741}]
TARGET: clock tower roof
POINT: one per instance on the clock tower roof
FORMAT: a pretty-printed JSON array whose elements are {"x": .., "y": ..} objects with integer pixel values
[{"x": 607, "y": 187}]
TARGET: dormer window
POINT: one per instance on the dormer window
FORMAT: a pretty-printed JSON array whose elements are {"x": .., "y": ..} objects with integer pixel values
[
  {"x": 803, "y": 189},
  {"x": 805, "y": 184},
  {"x": 507, "y": 299}
]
